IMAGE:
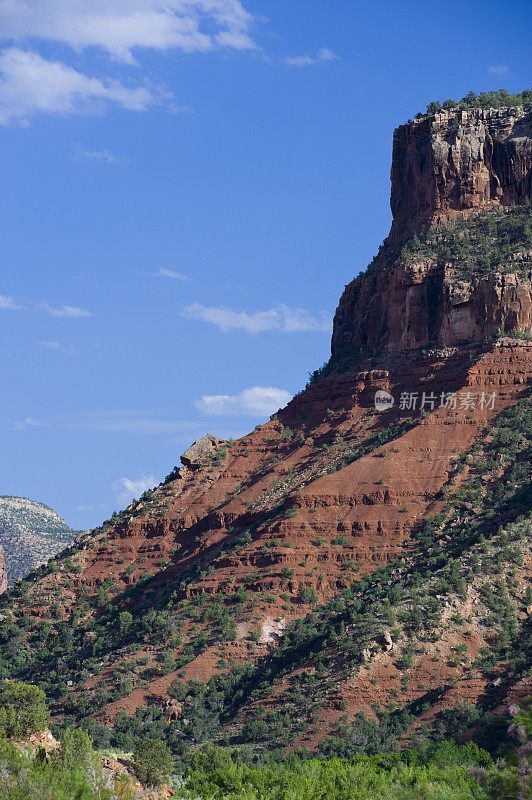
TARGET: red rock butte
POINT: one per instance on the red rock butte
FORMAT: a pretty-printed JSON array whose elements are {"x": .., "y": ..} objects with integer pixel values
[
  {"x": 445, "y": 169},
  {"x": 328, "y": 490}
]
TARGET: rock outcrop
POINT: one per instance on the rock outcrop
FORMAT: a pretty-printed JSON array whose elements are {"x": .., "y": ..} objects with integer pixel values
[
  {"x": 408, "y": 306},
  {"x": 445, "y": 169},
  {"x": 458, "y": 162},
  {"x": 199, "y": 453},
  {"x": 3, "y": 572}
]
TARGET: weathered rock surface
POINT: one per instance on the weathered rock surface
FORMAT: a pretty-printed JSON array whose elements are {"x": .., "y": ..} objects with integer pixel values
[
  {"x": 444, "y": 168},
  {"x": 199, "y": 452},
  {"x": 328, "y": 490},
  {"x": 408, "y": 306},
  {"x": 458, "y": 162}
]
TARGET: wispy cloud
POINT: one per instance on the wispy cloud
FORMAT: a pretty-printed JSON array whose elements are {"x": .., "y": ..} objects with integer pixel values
[
  {"x": 169, "y": 273},
  {"x": 122, "y": 421},
  {"x": 323, "y": 56},
  {"x": 257, "y": 401},
  {"x": 65, "y": 311},
  {"x": 8, "y": 304},
  {"x": 27, "y": 423},
  {"x": 281, "y": 318},
  {"x": 129, "y": 488},
  {"x": 130, "y": 422},
  {"x": 104, "y": 156},
  {"x": 58, "y": 347},
  {"x": 31, "y": 84},
  {"x": 120, "y": 27},
  {"x": 500, "y": 69}
]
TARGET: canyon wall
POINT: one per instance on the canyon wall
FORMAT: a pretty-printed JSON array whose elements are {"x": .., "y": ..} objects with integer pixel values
[
  {"x": 458, "y": 162},
  {"x": 446, "y": 169}
]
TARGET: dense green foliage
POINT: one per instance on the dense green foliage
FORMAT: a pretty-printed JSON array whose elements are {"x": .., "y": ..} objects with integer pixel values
[
  {"x": 441, "y": 771},
  {"x": 481, "y": 244},
  {"x": 491, "y": 99},
  {"x": 71, "y": 771},
  {"x": 38, "y": 778},
  {"x": 152, "y": 761},
  {"x": 23, "y": 709},
  {"x": 445, "y": 772}
]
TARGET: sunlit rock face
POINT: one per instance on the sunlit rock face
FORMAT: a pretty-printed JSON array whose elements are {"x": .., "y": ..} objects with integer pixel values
[
  {"x": 456, "y": 163},
  {"x": 447, "y": 170}
]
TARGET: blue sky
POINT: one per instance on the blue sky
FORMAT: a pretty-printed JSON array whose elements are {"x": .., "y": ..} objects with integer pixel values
[{"x": 186, "y": 189}]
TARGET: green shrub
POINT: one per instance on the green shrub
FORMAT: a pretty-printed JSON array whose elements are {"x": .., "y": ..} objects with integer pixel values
[
  {"x": 76, "y": 751},
  {"x": 152, "y": 762},
  {"x": 308, "y": 595},
  {"x": 478, "y": 245},
  {"x": 23, "y": 709}
]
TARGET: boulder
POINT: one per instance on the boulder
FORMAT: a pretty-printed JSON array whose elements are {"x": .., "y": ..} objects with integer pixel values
[{"x": 198, "y": 453}]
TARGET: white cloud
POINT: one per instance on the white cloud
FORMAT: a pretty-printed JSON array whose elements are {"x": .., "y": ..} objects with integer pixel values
[
  {"x": 121, "y": 26},
  {"x": 65, "y": 311},
  {"x": 168, "y": 273},
  {"x": 129, "y": 488},
  {"x": 501, "y": 69},
  {"x": 58, "y": 347},
  {"x": 323, "y": 55},
  {"x": 31, "y": 84},
  {"x": 27, "y": 423},
  {"x": 98, "y": 155},
  {"x": 8, "y": 304},
  {"x": 257, "y": 401},
  {"x": 280, "y": 318}
]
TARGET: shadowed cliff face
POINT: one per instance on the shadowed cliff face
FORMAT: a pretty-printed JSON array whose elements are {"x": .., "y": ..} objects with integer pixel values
[
  {"x": 456, "y": 163},
  {"x": 451, "y": 169}
]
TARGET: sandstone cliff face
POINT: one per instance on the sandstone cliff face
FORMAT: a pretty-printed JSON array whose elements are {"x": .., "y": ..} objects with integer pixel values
[
  {"x": 408, "y": 306},
  {"x": 447, "y": 168},
  {"x": 3, "y": 573},
  {"x": 459, "y": 162}
]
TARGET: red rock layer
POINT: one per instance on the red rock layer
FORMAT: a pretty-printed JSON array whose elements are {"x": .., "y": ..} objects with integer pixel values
[
  {"x": 408, "y": 306},
  {"x": 344, "y": 519}
]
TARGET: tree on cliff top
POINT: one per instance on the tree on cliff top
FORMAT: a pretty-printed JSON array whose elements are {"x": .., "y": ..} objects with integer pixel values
[{"x": 492, "y": 99}]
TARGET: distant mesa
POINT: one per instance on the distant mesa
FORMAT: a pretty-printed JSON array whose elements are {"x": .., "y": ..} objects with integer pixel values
[{"x": 31, "y": 533}]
